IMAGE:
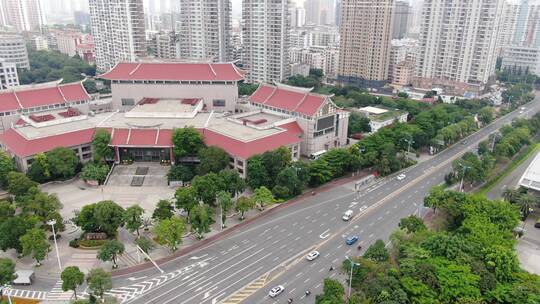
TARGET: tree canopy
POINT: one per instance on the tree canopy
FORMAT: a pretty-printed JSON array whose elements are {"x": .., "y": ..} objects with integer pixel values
[
  {"x": 472, "y": 259},
  {"x": 48, "y": 66},
  {"x": 187, "y": 142},
  {"x": 63, "y": 162},
  {"x": 100, "y": 143}
]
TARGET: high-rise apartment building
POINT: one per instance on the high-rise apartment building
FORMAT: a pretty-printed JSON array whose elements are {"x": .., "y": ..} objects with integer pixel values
[
  {"x": 8, "y": 75},
  {"x": 526, "y": 26},
  {"x": 365, "y": 35},
  {"x": 266, "y": 38},
  {"x": 458, "y": 44},
  {"x": 13, "y": 50},
  {"x": 508, "y": 25},
  {"x": 118, "y": 30},
  {"x": 167, "y": 45},
  {"x": 205, "y": 30},
  {"x": 25, "y": 15},
  {"x": 402, "y": 61},
  {"x": 402, "y": 19},
  {"x": 320, "y": 12},
  {"x": 298, "y": 16},
  {"x": 4, "y": 21}
]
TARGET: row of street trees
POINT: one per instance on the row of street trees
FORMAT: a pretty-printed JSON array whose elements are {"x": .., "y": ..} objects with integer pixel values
[
  {"x": 470, "y": 259},
  {"x": 24, "y": 219},
  {"x": 497, "y": 149}
]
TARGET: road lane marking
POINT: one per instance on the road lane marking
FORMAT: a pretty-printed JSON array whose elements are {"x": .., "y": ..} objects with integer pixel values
[
  {"x": 244, "y": 276},
  {"x": 292, "y": 290},
  {"x": 370, "y": 236},
  {"x": 203, "y": 273},
  {"x": 397, "y": 191},
  {"x": 298, "y": 274}
]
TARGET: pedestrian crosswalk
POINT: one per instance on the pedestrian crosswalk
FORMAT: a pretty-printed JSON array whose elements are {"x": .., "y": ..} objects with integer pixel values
[
  {"x": 28, "y": 294},
  {"x": 126, "y": 293},
  {"x": 123, "y": 294},
  {"x": 128, "y": 259},
  {"x": 57, "y": 294}
]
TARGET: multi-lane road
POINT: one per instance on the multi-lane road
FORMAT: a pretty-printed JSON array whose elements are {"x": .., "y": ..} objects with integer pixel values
[{"x": 271, "y": 250}]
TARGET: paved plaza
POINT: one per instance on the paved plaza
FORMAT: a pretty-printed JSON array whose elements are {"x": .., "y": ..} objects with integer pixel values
[{"x": 149, "y": 174}]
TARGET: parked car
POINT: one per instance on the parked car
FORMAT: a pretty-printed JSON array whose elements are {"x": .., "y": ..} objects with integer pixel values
[
  {"x": 276, "y": 291},
  {"x": 351, "y": 240},
  {"x": 312, "y": 255},
  {"x": 537, "y": 224},
  {"x": 401, "y": 176}
]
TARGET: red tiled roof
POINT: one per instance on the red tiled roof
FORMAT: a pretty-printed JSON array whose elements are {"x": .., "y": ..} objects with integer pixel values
[
  {"x": 145, "y": 137},
  {"x": 245, "y": 150},
  {"x": 141, "y": 138},
  {"x": 23, "y": 147},
  {"x": 292, "y": 127},
  {"x": 8, "y": 102},
  {"x": 35, "y": 97},
  {"x": 176, "y": 71},
  {"x": 290, "y": 100},
  {"x": 74, "y": 92}
]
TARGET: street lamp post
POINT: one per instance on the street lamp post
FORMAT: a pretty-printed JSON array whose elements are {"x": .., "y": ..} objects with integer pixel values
[
  {"x": 4, "y": 288},
  {"x": 52, "y": 223},
  {"x": 350, "y": 277},
  {"x": 409, "y": 142},
  {"x": 462, "y": 177}
]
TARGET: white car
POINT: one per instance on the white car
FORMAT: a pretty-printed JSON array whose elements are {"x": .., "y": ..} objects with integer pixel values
[
  {"x": 401, "y": 176},
  {"x": 312, "y": 255},
  {"x": 276, "y": 291},
  {"x": 347, "y": 215}
]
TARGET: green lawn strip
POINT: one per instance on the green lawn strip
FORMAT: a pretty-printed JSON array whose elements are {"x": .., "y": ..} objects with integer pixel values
[{"x": 525, "y": 154}]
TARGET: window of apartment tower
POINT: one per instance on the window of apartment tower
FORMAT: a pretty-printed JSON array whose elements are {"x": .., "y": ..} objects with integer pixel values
[{"x": 218, "y": 102}]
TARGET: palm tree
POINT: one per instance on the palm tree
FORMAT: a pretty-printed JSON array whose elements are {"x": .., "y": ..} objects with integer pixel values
[
  {"x": 526, "y": 202},
  {"x": 511, "y": 195}
]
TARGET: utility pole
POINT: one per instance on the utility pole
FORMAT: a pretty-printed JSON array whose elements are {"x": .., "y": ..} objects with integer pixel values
[
  {"x": 409, "y": 142},
  {"x": 52, "y": 223},
  {"x": 350, "y": 277},
  {"x": 462, "y": 177}
]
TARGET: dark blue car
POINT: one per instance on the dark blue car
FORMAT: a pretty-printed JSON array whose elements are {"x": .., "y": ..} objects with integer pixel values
[{"x": 351, "y": 240}]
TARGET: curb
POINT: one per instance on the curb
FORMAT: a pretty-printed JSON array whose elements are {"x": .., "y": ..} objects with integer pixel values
[{"x": 205, "y": 242}]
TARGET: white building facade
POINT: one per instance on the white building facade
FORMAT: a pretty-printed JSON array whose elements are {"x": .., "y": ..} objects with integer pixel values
[
  {"x": 118, "y": 30},
  {"x": 458, "y": 44},
  {"x": 402, "y": 65},
  {"x": 8, "y": 75},
  {"x": 25, "y": 15},
  {"x": 204, "y": 30},
  {"x": 13, "y": 50},
  {"x": 518, "y": 59},
  {"x": 266, "y": 40}
]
